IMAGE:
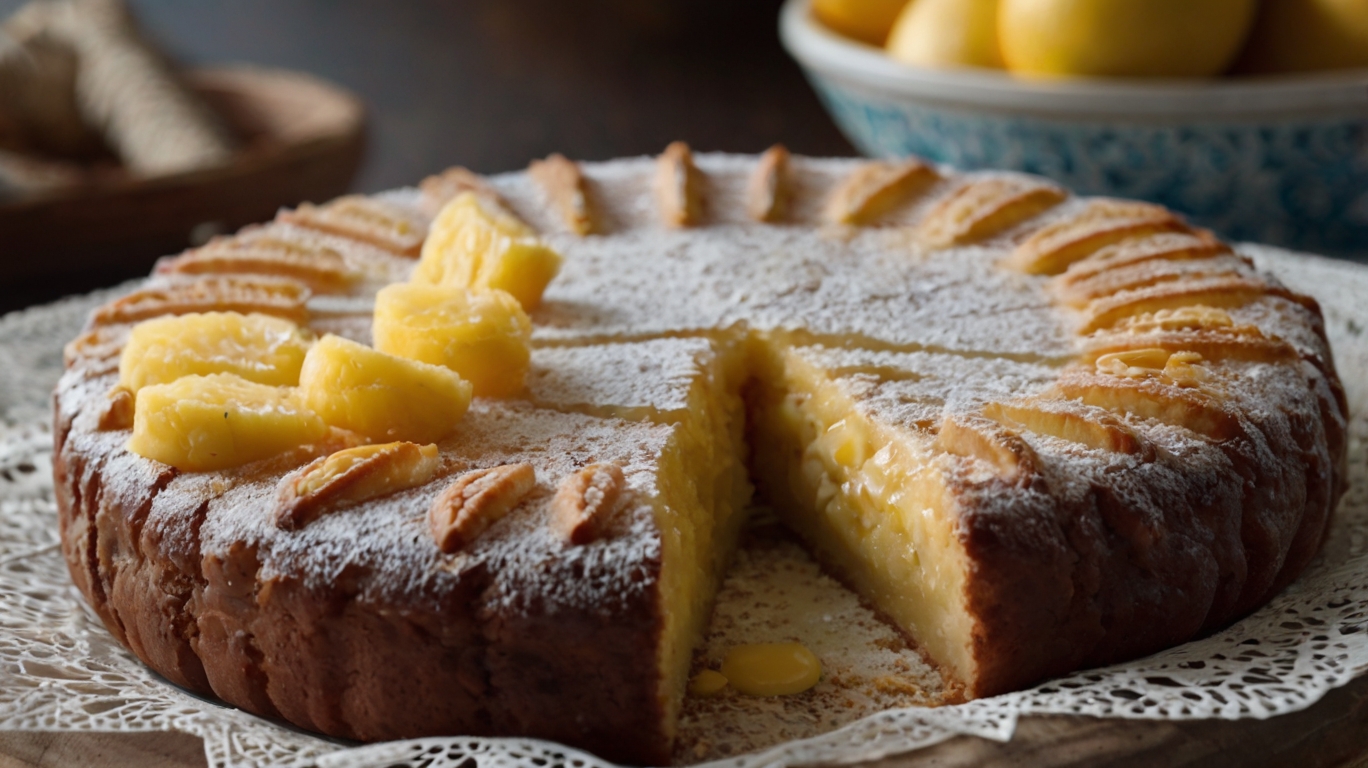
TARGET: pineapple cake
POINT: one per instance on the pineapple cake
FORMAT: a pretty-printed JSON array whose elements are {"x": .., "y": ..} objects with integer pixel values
[{"x": 472, "y": 458}]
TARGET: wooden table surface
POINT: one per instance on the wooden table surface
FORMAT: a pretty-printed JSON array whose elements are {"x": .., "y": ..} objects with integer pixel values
[
  {"x": 1333, "y": 733},
  {"x": 491, "y": 84}
]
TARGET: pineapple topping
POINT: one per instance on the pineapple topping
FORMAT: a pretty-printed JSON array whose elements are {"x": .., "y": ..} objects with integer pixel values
[
  {"x": 204, "y": 423},
  {"x": 476, "y": 244},
  {"x": 259, "y": 348},
  {"x": 382, "y": 396},
  {"x": 482, "y": 335}
]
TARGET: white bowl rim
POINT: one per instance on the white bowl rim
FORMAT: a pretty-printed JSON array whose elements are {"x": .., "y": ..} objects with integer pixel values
[{"x": 866, "y": 67}]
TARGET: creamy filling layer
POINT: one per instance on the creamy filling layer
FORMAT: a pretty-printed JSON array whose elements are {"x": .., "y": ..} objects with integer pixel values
[
  {"x": 705, "y": 491},
  {"x": 871, "y": 499}
]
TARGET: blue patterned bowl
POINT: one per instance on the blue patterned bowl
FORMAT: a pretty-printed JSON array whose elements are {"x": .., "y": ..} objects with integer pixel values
[{"x": 1278, "y": 160}]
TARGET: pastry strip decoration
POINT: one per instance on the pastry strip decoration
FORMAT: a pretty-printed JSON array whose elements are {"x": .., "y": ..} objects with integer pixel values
[
  {"x": 1102, "y": 222},
  {"x": 983, "y": 208},
  {"x": 586, "y": 500},
  {"x": 277, "y": 297},
  {"x": 564, "y": 185},
  {"x": 767, "y": 192},
  {"x": 874, "y": 189},
  {"x": 280, "y": 254},
  {"x": 476, "y": 500},
  {"x": 391, "y": 227},
  {"x": 442, "y": 188},
  {"x": 677, "y": 186}
]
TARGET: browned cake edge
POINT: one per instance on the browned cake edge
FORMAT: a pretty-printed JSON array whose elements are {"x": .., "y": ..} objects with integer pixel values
[
  {"x": 451, "y": 661},
  {"x": 1045, "y": 593}
]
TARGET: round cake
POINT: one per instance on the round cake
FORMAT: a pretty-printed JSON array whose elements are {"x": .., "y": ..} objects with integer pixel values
[{"x": 1036, "y": 432}]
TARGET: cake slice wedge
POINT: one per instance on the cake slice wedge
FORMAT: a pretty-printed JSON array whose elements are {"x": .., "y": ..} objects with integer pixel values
[
  {"x": 984, "y": 503},
  {"x": 343, "y": 624},
  {"x": 691, "y": 385}
]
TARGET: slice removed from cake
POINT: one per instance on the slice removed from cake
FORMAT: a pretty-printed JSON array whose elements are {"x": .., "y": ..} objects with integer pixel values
[
  {"x": 692, "y": 385},
  {"x": 846, "y": 449},
  {"x": 981, "y": 502}
]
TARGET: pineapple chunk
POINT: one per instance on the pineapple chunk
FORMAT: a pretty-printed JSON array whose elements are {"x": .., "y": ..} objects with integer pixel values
[
  {"x": 382, "y": 396},
  {"x": 203, "y": 423},
  {"x": 475, "y": 244},
  {"x": 260, "y": 348},
  {"x": 482, "y": 335}
]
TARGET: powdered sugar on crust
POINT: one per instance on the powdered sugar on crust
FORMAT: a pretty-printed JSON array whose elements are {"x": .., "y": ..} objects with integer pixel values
[
  {"x": 641, "y": 279},
  {"x": 635, "y": 321},
  {"x": 388, "y": 541},
  {"x": 655, "y": 376},
  {"x": 902, "y": 389}
]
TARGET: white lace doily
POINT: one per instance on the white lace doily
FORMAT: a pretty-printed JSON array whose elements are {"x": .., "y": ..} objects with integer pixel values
[{"x": 63, "y": 672}]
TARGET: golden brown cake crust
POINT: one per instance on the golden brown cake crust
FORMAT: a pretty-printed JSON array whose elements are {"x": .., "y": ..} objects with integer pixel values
[
  {"x": 1074, "y": 563},
  {"x": 470, "y": 652}
]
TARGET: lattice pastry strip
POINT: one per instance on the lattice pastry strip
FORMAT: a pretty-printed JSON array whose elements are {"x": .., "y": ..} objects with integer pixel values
[
  {"x": 991, "y": 442},
  {"x": 1212, "y": 345},
  {"x": 679, "y": 186},
  {"x": 1102, "y": 222},
  {"x": 1165, "y": 246},
  {"x": 983, "y": 208},
  {"x": 875, "y": 189},
  {"x": 565, "y": 187},
  {"x": 279, "y": 297},
  {"x": 438, "y": 190},
  {"x": 1064, "y": 420},
  {"x": 392, "y": 227},
  {"x": 1079, "y": 293},
  {"x": 98, "y": 347},
  {"x": 1155, "y": 397},
  {"x": 767, "y": 191},
  {"x": 1220, "y": 293},
  {"x": 277, "y": 251}
]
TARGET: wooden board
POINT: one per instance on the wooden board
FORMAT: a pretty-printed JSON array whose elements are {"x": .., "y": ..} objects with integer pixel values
[
  {"x": 1333, "y": 733},
  {"x": 303, "y": 140}
]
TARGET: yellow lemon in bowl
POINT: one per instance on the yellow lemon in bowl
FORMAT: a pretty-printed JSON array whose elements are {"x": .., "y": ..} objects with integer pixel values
[
  {"x": 937, "y": 33},
  {"x": 1123, "y": 38},
  {"x": 866, "y": 20},
  {"x": 1305, "y": 35}
]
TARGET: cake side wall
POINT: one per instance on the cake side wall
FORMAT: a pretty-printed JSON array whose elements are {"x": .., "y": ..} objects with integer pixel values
[
  {"x": 1181, "y": 545},
  {"x": 332, "y": 658}
]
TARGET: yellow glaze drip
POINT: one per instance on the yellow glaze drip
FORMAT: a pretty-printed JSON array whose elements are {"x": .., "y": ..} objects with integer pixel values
[
  {"x": 709, "y": 682},
  {"x": 771, "y": 669}
]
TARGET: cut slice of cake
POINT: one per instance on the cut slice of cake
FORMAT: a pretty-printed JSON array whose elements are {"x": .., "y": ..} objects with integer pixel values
[
  {"x": 505, "y": 634},
  {"x": 692, "y": 385},
  {"x": 846, "y": 451},
  {"x": 339, "y": 626},
  {"x": 1037, "y": 432},
  {"x": 981, "y": 503}
]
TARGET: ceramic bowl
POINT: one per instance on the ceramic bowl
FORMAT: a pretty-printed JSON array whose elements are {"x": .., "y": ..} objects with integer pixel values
[{"x": 1280, "y": 160}]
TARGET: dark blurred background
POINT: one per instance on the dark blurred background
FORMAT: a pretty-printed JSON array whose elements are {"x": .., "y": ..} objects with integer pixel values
[{"x": 492, "y": 83}]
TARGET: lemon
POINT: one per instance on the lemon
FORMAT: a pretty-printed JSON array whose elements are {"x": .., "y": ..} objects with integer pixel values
[
  {"x": 866, "y": 20},
  {"x": 1126, "y": 38},
  {"x": 1302, "y": 35},
  {"x": 936, "y": 33}
]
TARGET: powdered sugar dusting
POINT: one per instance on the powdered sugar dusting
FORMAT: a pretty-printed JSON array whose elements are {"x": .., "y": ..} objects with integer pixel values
[
  {"x": 911, "y": 334},
  {"x": 654, "y": 376},
  {"x": 388, "y": 537},
  {"x": 641, "y": 279}
]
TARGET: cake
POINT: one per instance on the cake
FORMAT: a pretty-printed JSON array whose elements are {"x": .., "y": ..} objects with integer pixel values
[{"x": 1036, "y": 432}]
